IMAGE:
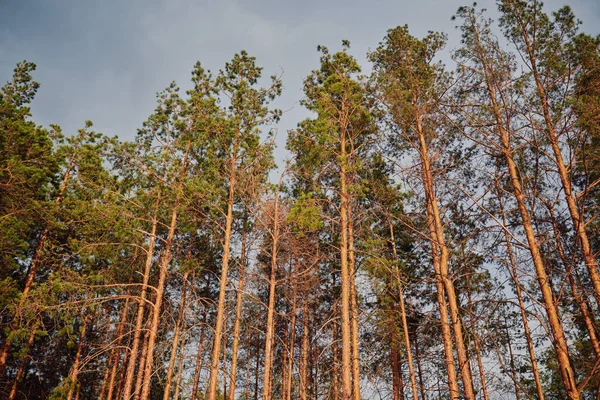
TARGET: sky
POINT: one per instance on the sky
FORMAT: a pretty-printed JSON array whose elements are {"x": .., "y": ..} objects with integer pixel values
[{"x": 105, "y": 61}]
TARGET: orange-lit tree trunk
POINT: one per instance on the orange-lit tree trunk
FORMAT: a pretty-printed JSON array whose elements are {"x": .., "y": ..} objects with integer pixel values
[{"x": 238, "y": 313}]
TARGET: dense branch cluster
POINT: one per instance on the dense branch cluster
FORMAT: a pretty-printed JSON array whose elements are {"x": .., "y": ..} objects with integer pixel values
[{"x": 433, "y": 234}]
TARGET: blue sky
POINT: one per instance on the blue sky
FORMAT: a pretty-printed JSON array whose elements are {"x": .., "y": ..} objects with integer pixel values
[{"x": 105, "y": 60}]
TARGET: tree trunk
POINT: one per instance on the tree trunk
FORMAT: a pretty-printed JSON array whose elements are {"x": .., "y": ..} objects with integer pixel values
[
  {"x": 74, "y": 374},
  {"x": 476, "y": 339},
  {"x": 439, "y": 281},
  {"x": 418, "y": 356},
  {"x": 218, "y": 331},
  {"x": 413, "y": 379},
  {"x": 353, "y": 308},
  {"x": 180, "y": 368},
  {"x": 291, "y": 347},
  {"x": 269, "y": 337},
  {"x": 115, "y": 354},
  {"x": 396, "y": 370},
  {"x": 238, "y": 314},
  {"x": 139, "y": 381},
  {"x": 198, "y": 368},
  {"x": 304, "y": 354},
  {"x": 345, "y": 276},
  {"x": 173, "y": 357}
]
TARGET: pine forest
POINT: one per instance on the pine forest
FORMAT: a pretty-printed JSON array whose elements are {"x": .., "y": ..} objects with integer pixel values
[{"x": 432, "y": 231}]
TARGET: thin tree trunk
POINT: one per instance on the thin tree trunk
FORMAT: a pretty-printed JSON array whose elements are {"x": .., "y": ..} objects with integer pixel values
[
  {"x": 143, "y": 359},
  {"x": 269, "y": 337},
  {"x": 413, "y": 379},
  {"x": 512, "y": 364},
  {"x": 335, "y": 379},
  {"x": 256, "y": 372},
  {"x": 114, "y": 357},
  {"x": 353, "y": 308},
  {"x": 238, "y": 313},
  {"x": 198, "y": 368},
  {"x": 291, "y": 347},
  {"x": 396, "y": 371},
  {"x": 74, "y": 374},
  {"x": 173, "y": 357},
  {"x": 304, "y": 354},
  {"x": 440, "y": 242},
  {"x": 444, "y": 319},
  {"x": 218, "y": 331},
  {"x": 180, "y": 368},
  {"x": 418, "y": 356},
  {"x": 345, "y": 276},
  {"x": 476, "y": 339}
]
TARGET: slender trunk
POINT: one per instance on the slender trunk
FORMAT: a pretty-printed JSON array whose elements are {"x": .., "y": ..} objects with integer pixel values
[
  {"x": 335, "y": 379},
  {"x": 291, "y": 347},
  {"x": 218, "y": 331},
  {"x": 304, "y": 354},
  {"x": 269, "y": 337},
  {"x": 74, "y": 374},
  {"x": 114, "y": 364},
  {"x": 256, "y": 372},
  {"x": 396, "y": 370},
  {"x": 180, "y": 368},
  {"x": 224, "y": 368},
  {"x": 353, "y": 308},
  {"x": 413, "y": 379},
  {"x": 476, "y": 339},
  {"x": 512, "y": 364},
  {"x": 247, "y": 386},
  {"x": 284, "y": 362},
  {"x": 439, "y": 281},
  {"x": 173, "y": 357},
  {"x": 440, "y": 242},
  {"x": 143, "y": 359},
  {"x": 522, "y": 309},
  {"x": 198, "y": 368},
  {"x": 345, "y": 276},
  {"x": 418, "y": 356},
  {"x": 238, "y": 314}
]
